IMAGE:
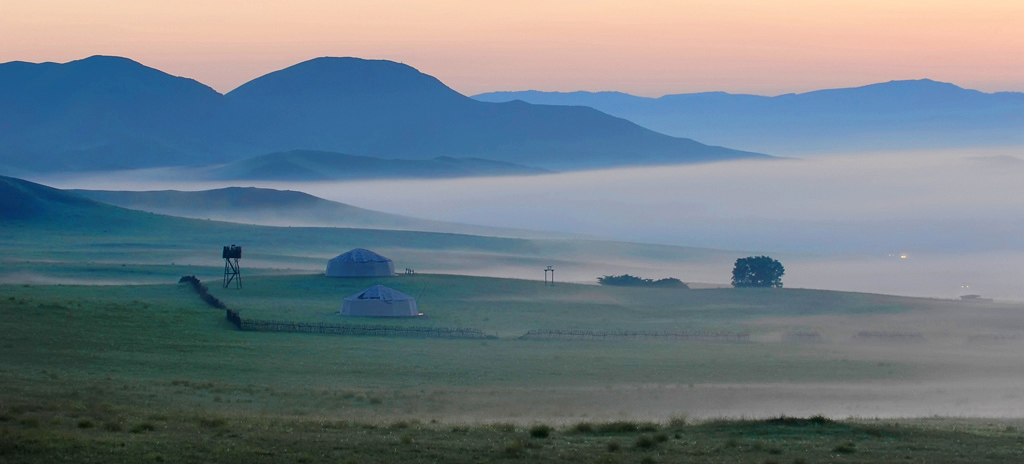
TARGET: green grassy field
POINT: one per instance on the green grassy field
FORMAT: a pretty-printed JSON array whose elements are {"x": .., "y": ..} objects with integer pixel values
[
  {"x": 511, "y": 307},
  {"x": 151, "y": 336},
  {"x": 149, "y": 373}
]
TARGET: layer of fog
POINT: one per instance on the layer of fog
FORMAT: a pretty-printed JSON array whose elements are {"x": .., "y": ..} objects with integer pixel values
[{"x": 926, "y": 223}]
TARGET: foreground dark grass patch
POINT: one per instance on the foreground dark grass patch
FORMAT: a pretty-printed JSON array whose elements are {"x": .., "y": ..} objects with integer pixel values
[{"x": 179, "y": 436}]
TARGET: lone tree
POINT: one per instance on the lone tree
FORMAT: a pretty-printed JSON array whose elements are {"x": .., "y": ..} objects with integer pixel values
[{"x": 759, "y": 271}]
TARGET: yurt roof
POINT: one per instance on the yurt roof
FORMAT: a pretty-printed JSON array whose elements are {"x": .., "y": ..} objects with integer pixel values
[
  {"x": 380, "y": 292},
  {"x": 360, "y": 255}
]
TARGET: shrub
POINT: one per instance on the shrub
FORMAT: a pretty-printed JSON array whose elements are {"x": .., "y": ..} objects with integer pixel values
[
  {"x": 583, "y": 427},
  {"x": 820, "y": 420},
  {"x": 85, "y": 424},
  {"x": 626, "y": 280},
  {"x": 540, "y": 431},
  {"x": 618, "y": 427},
  {"x": 677, "y": 421},
  {"x": 614, "y": 446},
  {"x": 647, "y": 460},
  {"x": 644, "y": 442},
  {"x": 845, "y": 448},
  {"x": 661, "y": 438}
]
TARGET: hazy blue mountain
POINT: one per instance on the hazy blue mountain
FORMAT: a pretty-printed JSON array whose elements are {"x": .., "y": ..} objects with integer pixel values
[
  {"x": 21, "y": 200},
  {"x": 28, "y": 205},
  {"x": 283, "y": 207},
  {"x": 305, "y": 165},
  {"x": 108, "y": 112},
  {"x": 391, "y": 110},
  {"x": 102, "y": 112},
  {"x": 892, "y": 115}
]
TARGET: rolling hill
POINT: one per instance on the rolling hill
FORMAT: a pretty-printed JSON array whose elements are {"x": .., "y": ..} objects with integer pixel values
[
  {"x": 915, "y": 114},
  {"x": 55, "y": 226},
  {"x": 24, "y": 201},
  {"x": 309, "y": 165},
  {"x": 262, "y": 206},
  {"x": 113, "y": 113}
]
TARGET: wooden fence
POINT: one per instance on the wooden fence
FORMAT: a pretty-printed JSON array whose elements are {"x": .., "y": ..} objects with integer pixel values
[
  {"x": 700, "y": 335},
  {"x": 203, "y": 291},
  {"x": 259, "y": 325},
  {"x": 385, "y": 330}
]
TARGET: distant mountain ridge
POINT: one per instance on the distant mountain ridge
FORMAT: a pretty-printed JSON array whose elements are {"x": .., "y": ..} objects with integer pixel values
[
  {"x": 309, "y": 165},
  {"x": 114, "y": 113},
  {"x": 101, "y": 112},
  {"x": 892, "y": 115},
  {"x": 264, "y": 206}
]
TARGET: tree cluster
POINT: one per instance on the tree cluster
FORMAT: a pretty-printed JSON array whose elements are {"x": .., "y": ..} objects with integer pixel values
[
  {"x": 626, "y": 280},
  {"x": 757, "y": 271}
]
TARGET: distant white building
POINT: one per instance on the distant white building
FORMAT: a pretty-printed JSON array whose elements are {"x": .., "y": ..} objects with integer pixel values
[
  {"x": 360, "y": 262},
  {"x": 380, "y": 301}
]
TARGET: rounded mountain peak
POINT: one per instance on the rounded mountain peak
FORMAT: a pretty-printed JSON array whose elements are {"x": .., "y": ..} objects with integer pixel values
[{"x": 337, "y": 76}]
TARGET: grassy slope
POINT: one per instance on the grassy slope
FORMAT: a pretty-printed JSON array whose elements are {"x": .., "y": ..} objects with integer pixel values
[
  {"x": 274, "y": 207},
  {"x": 59, "y": 226}
]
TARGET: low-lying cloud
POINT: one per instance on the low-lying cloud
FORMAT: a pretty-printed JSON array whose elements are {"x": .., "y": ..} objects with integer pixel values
[{"x": 955, "y": 214}]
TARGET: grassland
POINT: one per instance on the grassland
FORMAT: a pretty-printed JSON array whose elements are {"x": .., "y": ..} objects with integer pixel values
[{"x": 148, "y": 373}]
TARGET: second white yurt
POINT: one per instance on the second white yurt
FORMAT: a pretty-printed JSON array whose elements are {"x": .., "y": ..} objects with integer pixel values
[{"x": 380, "y": 301}]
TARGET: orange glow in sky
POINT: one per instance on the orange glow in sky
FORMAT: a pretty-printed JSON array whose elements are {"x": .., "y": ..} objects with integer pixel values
[{"x": 644, "y": 47}]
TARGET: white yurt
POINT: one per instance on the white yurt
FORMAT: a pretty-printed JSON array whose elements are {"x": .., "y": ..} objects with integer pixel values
[
  {"x": 380, "y": 301},
  {"x": 360, "y": 262}
]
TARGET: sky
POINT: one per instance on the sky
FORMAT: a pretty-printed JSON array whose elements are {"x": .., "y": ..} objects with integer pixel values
[{"x": 643, "y": 47}]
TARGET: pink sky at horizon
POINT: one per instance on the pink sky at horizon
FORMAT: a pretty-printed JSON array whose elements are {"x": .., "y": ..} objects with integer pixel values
[{"x": 645, "y": 47}]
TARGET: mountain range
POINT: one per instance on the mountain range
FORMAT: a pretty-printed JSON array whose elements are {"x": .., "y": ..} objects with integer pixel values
[
  {"x": 913, "y": 114},
  {"x": 113, "y": 113}
]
